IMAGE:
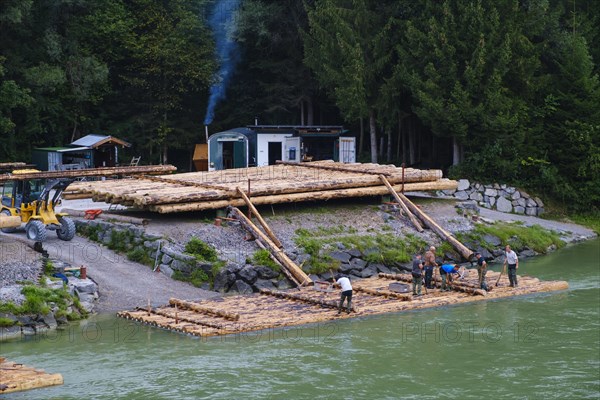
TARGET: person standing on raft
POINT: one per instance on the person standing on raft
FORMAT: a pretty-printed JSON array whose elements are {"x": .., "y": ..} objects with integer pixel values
[
  {"x": 417, "y": 275},
  {"x": 481, "y": 271},
  {"x": 346, "y": 286},
  {"x": 429, "y": 265},
  {"x": 513, "y": 264}
]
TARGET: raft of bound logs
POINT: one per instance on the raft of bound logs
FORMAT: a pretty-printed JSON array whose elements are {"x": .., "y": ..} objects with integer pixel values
[
  {"x": 272, "y": 309},
  {"x": 16, "y": 377}
]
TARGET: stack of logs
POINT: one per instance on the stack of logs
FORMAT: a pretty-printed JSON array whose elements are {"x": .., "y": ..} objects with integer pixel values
[{"x": 282, "y": 183}]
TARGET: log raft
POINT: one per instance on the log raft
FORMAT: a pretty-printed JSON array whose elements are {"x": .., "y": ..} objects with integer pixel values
[
  {"x": 272, "y": 309},
  {"x": 16, "y": 377}
]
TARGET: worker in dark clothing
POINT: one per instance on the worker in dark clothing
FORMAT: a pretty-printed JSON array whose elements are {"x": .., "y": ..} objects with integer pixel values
[
  {"x": 481, "y": 271},
  {"x": 417, "y": 275}
]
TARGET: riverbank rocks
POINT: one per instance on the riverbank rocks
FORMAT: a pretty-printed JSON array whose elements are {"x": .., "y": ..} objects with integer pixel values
[{"x": 494, "y": 196}]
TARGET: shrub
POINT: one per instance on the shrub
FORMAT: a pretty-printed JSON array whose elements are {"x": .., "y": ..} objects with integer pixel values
[
  {"x": 140, "y": 256},
  {"x": 200, "y": 250},
  {"x": 262, "y": 257},
  {"x": 6, "y": 322}
]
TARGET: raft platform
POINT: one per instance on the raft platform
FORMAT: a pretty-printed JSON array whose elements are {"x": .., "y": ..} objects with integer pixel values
[
  {"x": 308, "y": 305},
  {"x": 16, "y": 377}
]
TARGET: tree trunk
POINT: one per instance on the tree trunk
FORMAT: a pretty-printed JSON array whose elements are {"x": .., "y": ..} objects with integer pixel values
[
  {"x": 164, "y": 154},
  {"x": 373, "y": 133},
  {"x": 302, "y": 111},
  {"x": 399, "y": 139},
  {"x": 389, "y": 145},
  {"x": 411, "y": 143},
  {"x": 456, "y": 152},
  {"x": 310, "y": 111},
  {"x": 361, "y": 141}
]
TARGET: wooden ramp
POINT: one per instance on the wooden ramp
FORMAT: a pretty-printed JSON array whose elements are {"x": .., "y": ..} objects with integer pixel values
[
  {"x": 278, "y": 309},
  {"x": 16, "y": 377}
]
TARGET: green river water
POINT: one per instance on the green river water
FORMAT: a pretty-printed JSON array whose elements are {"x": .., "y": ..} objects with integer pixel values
[{"x": 544, "y": 346}]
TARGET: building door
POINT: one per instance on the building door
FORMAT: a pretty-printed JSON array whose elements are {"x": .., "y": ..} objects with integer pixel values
[
  {"x": 347, "y": 149},
  {"x": 275, "y": 153},
  {"x": 239, "y": 154}
]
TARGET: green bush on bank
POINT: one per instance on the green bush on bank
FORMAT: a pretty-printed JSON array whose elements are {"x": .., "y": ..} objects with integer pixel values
[
  {"x": 39, "y": 299},
  {"x": 516, "y": 235},
  {"x": 200, "y": 250},
  {"x": 385, "y": 248},
  {"x": 263, "y": 257}
]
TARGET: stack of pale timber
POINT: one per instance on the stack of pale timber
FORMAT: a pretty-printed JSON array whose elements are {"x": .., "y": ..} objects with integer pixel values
[
  {"x": 10, "y": 166},
  {"x": 17, "y": 377},
  {"x": 282, "y": 183},
  {"x": 278, "y": 309},
  {"x": 90, "y": 172}
]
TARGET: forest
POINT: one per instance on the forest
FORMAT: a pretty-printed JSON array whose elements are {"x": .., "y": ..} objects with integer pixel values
[{"x": 491, "y": 90}]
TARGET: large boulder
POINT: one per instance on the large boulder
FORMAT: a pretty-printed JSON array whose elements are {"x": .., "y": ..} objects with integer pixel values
[
  {"x": 242, "y": 287},
  {"x": 264, "y": 284},
  {"x": 223, "y": 280},
  {"x": 345, "y": 268},
  {"x": 368, "y": 272},
  {"x": 340, "y": 256},
  {"x": 463, "y": 184},
  {"x": 503, "y": 205},
  {"x": 358, "y": 263},
  {"x": 492, "y": 239},
  {"x": 248, "y": 274},
  {"x": 265, "y": 272},
  {"x": 461, "y": 195}
]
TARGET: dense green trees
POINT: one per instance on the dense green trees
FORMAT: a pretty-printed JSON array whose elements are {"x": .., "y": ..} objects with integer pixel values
[{"x": 509, "y": 88}]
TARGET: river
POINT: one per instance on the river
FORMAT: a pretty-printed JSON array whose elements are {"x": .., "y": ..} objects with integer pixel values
[{"x": 544, "y": 346}]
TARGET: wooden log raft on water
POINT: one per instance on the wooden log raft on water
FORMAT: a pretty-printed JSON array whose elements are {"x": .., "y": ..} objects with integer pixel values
[
  {"x": 16, "y": 377},
  {"x": 278, "y": 309},
  {"x": 383, "y": 293}
]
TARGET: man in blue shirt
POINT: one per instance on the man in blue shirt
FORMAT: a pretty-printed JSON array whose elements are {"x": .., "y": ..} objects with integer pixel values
[{"x": 446, "y": 271}]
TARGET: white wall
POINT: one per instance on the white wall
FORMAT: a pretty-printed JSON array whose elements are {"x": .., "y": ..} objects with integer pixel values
[{"x": 262, "y": 146}]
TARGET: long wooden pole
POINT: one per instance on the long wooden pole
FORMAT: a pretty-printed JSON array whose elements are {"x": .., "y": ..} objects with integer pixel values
[
  {"x": 442, "y": 233},
  {"x": 410, "y": 215},
  {"x": 299, "y": 275},
  {"x": 260, "y": 219}
]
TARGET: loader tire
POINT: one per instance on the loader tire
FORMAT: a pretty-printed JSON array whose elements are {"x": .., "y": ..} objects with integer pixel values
[
  {"x": 36, "y": 230},
  {"x": 67, "y": 229}
]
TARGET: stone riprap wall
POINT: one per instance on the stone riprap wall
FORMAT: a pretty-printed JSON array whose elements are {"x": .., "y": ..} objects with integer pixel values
[{"x": 497, "y": 197}]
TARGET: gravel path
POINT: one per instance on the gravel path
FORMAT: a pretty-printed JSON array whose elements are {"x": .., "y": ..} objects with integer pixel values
[{"x": 122, "y": 283}]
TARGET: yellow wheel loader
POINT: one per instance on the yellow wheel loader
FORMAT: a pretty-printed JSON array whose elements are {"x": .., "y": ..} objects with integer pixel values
[{"x": 34, "y": 202}]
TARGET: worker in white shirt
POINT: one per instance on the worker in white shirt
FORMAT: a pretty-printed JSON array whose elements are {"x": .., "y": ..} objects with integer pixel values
[
  {"x": 346, "y": 286},
  {"x": 513, "y": 264}
]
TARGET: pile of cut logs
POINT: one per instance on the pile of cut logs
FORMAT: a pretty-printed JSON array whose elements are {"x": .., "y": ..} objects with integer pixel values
[{"x": 281, "y": 183}]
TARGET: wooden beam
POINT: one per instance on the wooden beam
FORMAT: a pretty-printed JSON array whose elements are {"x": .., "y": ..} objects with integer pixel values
[
  {"x": 260, "y": 219},
  {"x": 410, "y": 215}
]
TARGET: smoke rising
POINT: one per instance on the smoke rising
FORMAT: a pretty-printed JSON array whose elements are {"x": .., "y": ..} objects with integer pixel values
[{"x": 222, "y": 22}]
